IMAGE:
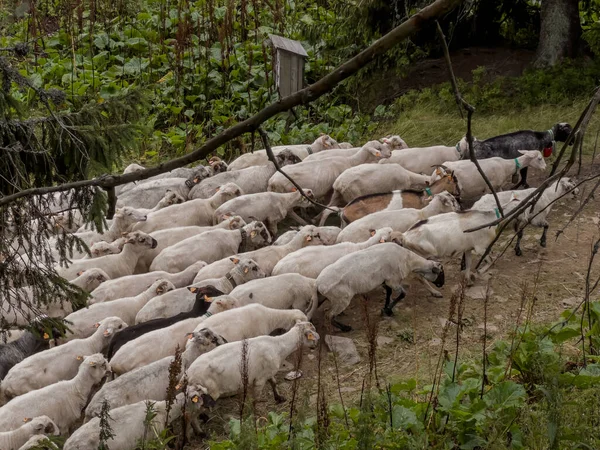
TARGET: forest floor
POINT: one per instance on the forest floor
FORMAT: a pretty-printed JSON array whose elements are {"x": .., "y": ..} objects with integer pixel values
[{"x": 410, "y": 342}]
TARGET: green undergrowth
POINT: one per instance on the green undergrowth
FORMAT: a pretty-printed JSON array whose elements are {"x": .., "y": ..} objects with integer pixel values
[{"x": 539, "y": 392}]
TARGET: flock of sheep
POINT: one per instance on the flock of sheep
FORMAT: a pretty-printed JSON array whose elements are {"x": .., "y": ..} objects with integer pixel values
[{"x": 194, "y": 259}]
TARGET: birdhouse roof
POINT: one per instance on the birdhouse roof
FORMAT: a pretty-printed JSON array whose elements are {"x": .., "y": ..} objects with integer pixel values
[{"x": 287, "y": 45}]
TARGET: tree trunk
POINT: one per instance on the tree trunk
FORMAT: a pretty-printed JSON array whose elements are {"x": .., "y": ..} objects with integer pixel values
[{"x": 560, "y": 32}]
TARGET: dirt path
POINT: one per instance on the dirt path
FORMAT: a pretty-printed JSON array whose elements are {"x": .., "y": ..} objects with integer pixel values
[{"x": 409, "y": 342}]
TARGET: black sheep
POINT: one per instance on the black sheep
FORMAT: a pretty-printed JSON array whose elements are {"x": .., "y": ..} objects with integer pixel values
[
  {"x": 507, "y": 146},
  {"x": 135, "y": 331}
]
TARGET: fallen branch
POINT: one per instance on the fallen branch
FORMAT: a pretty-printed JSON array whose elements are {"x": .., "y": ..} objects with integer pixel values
[{"x": 302, "y": 97}]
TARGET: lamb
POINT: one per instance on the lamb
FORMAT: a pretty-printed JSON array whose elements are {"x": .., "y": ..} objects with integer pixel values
[
  {"x": 170, "y": 198},
  {"x": 394, "y": 142},
  {"x": 197, "y": 212},
  {"x": 498, "y": 170},
  {"x": 250, "y": 180},
  {"x": 81, "y": 322},
  {"x": 551, "y": 193},
  {"x": 318, "y": 176},
  {"x": 211, "y": 246},
  {"x": 115, "y": 266},
  {"x": 129, "y": 422},
  {"x": 218, "y": 371},
  {"x": 328, "y": 235},
  {"x": 35, "y": 340},
  {"x": 172, "y": 236},
  {"x": 508, "y": 145},
  {"x": 266, "y": 257},
  {"x": 58, "y": 363},
  {"x": 287, "y": 291},
  {"x": 399, "y": 220},
  {"x": 166, "y": 306},
  {"x": 260, "y": 158},
  {"x": 387, "y": 264},
  {"x": 157, "y": 344},
  {"x": 268, "y": 207},
  {"x": 395, "y": 200},
  {"x": 421, "y": 159},
  {"x": 151, "y": 382},
  {"x": 132, "y": 285},
  {"x": 13, "y": 440},
  {"x": 202, "y": 306},
  {"x": 104, "y": 248},
  {"x": 372, "y": 179},
  {"x": 311, "y": 261},
  {"x": 62, "y": 402},
  {"x": 444, "y": 235},
  {"x": 148, "y": 194}
]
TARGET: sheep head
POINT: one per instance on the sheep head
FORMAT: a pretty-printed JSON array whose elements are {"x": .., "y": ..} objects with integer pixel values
[
  {"x": 310, "y": 337},
  {"x": 94, "y": 366},
  {"x": 286, "y": 157},
  {"x": 140, "y": 239},
  {"x": 129, "y": 216},
  {"x": 562, "y": 131},
  {"x": 109, "y": 326},
  {"x": 248, "y": 269},
  {"x": 258, "y": 234},
  {"x": 535, "y": 158}
]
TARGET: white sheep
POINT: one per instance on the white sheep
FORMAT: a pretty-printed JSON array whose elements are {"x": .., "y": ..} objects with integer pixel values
[
  {"x": 39, "y": 441},
  {"x": 422, "y": 159},
  {"x": 372, "y": 179},
  {"x": 260, "y": 158},
  {"x": 399, "y": 220},
  {"x": 538, "y": 217},
  {"x": 197, "y": 212},
  {"x": 311, "y": 261},
  {"x": 219, "y": 370},
  {"x": 328, "y": 235},
  {"x": 498, "y": 170},
  {"x": 132, "y": 285},
  {"x": 211, "y": 246},
  {"x": 394, "y": 142},
  {"x": 63, "y": 402},
  {"x": 147, "y": 194},
  {"x": 151, "y": 382},
  {"x": 13, "y": 440},
  {"x": 172, "y": 236},
  {"x": 444, "y": 235},
  {"x": 387, "y": 264},
  {"x": 128, "y": 423},
  {"x": 268, "y": 207},
  {"x": 287, "y": 291},
  {"x": 170, "y": 198},
  {"x": 81, "y": 322},
  {"x": 22, "y": 313},
  {"x": 115, "y": 266},
  {"x": 266, "y": 257},
  {"x": 319, "y": 176},
  {"x": 250, "y": 180},
  {"x": 58, "y": 363},
  {"x": 104, "y": 248},
  {"x": 160, "y": 343},
  {"x": 181, "y": 301}
]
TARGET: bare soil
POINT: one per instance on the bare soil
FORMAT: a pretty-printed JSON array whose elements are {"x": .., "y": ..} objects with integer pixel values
[{"x": 410, "y": 341}]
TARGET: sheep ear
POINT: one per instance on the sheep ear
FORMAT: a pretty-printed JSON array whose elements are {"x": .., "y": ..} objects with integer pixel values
[
  {"x": 189, "y": 336},
  {"x": 378, "y": 153},
  {"x": 27, "y": 419},
  {"x": 310, "y": 336},
  {"x": 246, "y": 270},
  {"x": 372, "y": 232},
  {"x": 294, "y": 189},
  {"x": 218, "y": 189},
  {"x": 253, "y": 233},
  {"x": 107, "y": 332},
  {"x": 96, "y": 325},
  {"x": 79, "y": 358},
  {"x": 234, "y": 260},
  {"x": 193, "y": 290},
  {"x": 207, "y": 298},
  {"x": 80, "y": 273},
  {"x": 92, "y": 363},
  {"x": 308, "y": 238},
  {"x": 438, "y": 171},
  {"x": 125, "y": 233},
  {"x": 46, "y": 336}
]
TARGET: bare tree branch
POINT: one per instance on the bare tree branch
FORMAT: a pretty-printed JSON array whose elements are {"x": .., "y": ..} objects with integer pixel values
[
  {"x": 470, "y": 110},
  {"x": 302, "y": 97}
]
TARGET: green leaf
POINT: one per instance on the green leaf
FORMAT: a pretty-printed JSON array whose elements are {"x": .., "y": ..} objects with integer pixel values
[
  {"x": 189, "y": 113},
  {"x": 405, "y": 419},
  {"x": 404, "y": 386},
  {"x": 507, "y": 394},
  {"x": 101, "y": 41}
]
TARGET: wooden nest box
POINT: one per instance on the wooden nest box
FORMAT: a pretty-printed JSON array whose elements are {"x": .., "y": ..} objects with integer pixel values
[{"x": 288, "y": 64}]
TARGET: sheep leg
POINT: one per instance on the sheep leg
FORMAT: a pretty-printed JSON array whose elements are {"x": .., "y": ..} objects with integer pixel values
[
  {"x": 297, "y": 218},
  {"x": 518, "y": 251},
  {"x": 388, "y": 297},
  {"x": 340, "y": 326},
  {"x": 462, "y": 262},
  {"x": 278, "y": 397},
  {"x": 272, "y": 227},
  {"x": 543, "y": 239},
  {"x": 467, "y": 273},
  {"x": 389, "y": 311}
]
